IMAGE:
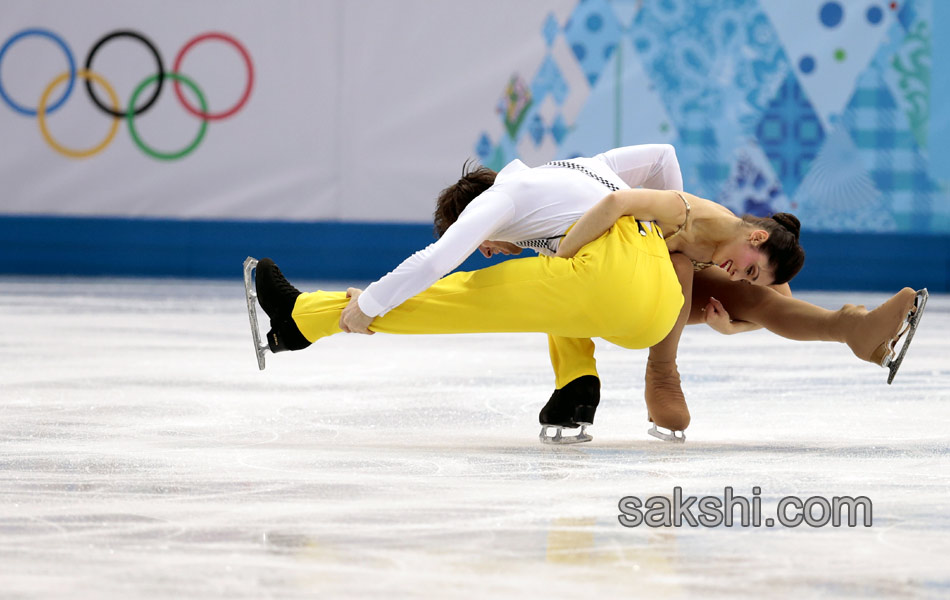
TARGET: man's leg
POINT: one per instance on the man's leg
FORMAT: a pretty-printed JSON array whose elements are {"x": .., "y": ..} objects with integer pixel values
[
  {"x": 576, "y": 386},
  {"x": 571, "y": 358},
  {"x": 593, "y": 294}
]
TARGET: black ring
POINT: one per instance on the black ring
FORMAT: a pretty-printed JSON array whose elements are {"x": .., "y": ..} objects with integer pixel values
[{"x": 158, "y": 60}]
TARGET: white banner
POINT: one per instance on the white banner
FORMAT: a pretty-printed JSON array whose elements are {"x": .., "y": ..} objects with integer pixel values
[{"x": 354, "y": 110}]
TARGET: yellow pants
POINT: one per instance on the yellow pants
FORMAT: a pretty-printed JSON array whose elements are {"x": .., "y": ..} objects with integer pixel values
[
  {"x": 571, "y": 358},
  {"x": 621, "y": 287}
]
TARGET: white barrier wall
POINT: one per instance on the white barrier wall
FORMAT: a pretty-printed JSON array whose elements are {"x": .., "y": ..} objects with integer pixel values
[{"x": 359, "y": 110}]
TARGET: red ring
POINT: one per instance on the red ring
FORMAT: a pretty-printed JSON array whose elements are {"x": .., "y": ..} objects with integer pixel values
[{"x": 250, "y": 76}]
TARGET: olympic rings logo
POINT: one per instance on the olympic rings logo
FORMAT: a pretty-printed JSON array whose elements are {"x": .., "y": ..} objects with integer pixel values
[{"x": 133, "y": 110}]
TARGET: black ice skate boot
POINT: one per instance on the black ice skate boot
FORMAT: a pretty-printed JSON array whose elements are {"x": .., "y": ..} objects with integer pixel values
[
  {"x": 277, "y": 297},
  {"x": 572, "y": 406}
]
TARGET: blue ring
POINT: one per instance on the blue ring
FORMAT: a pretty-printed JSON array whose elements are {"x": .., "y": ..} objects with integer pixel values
[{"x": 72, "y": 70}]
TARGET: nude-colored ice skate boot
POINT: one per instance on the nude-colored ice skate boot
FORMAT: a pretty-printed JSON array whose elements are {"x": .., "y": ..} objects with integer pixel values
[
  {"x": 666, "y": 404},
  {"x": 871, "y": 335}
]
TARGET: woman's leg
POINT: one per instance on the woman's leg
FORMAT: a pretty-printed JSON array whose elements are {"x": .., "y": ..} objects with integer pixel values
[
  {"x": 666, "y": 405},
  {"x": 865, "y": 332}
]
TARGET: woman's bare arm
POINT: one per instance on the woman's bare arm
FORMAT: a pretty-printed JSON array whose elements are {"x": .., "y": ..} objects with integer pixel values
[{"x": 665, "y": 207}]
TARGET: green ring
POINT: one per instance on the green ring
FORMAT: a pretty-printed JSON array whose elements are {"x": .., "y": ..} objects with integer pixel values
[{"x": 130, "y": 117}]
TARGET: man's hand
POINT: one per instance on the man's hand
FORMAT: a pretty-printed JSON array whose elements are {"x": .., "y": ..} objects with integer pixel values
[
  {"x": 354, "y": 320},
  {"x": 715, "y": 315}
]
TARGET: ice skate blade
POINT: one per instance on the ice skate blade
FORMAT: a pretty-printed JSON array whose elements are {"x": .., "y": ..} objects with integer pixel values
[
  {"x": 667, "y": 437},
  {"x": 561, "y": 440},
  {"x": 260, "y": 348},
  {"x": 913, "y": 320}
]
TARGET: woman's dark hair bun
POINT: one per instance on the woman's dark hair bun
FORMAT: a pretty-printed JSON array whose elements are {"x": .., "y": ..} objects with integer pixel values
[
  {"x": 789, "y": 222},
  {"x": 784, "y": 250}
]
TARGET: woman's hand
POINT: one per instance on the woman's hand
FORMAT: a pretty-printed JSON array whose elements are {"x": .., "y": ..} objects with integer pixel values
[
  {"x": 715, "y": 315},
  {"x": 354, "y": 320}
]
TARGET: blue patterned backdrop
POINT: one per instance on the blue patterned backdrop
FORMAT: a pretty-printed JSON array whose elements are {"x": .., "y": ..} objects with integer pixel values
[
  {"x": 825, "y": 108},
  {"x": 835, "y": 110}
]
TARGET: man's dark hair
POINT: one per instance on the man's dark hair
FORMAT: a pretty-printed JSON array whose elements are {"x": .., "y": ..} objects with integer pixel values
[{"x": 453, "y": 199}]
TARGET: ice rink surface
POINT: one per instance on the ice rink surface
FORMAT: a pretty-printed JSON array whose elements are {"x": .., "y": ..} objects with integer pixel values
[{"x": 143, "y": 455}]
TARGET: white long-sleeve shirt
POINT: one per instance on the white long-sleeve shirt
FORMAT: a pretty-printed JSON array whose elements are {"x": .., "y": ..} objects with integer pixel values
[{"x": 524, "y": 204}]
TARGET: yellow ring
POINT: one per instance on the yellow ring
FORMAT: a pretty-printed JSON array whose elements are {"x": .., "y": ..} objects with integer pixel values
[{"x": 41, "y": 116}]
